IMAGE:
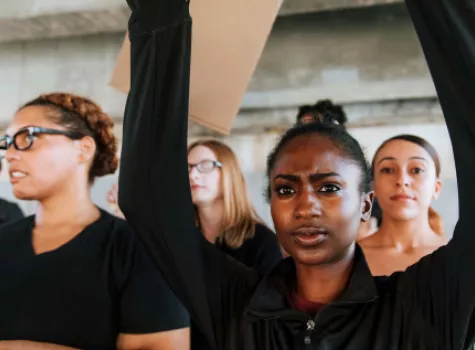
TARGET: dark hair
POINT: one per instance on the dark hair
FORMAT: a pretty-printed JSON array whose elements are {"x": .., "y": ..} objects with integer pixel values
[
  {"x": 340, "y": 138},
  {"x": 416, "y": 140},
  {"x": 435, "y": 220},
  {"x": 324, "y": 111},
  {"x": 80, "y": 114}
]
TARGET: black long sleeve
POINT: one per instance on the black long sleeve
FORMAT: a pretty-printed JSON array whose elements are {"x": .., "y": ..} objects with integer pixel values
[
  {"x": 154, "y": 191},
  {"x": 442, "y": 285}
]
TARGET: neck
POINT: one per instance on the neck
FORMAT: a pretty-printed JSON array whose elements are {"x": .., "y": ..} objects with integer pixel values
[
  {"x": 70, "y": 207},
  {"x": 407, "y": 234},
  {"x": 324, "y": 283},
  {"x": 210, "y": 216}
]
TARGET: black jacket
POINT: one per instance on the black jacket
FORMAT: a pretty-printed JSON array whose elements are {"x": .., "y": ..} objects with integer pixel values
[{"x": 430, "y": 306}]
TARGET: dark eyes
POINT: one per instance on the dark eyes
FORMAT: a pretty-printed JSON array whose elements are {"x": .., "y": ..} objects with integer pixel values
[
  {"x": 388, "y": 170},
  {"x": 329, "y": 188},
  {"x": 417, "y": 170},
  {"x": 283, "y": 191}
]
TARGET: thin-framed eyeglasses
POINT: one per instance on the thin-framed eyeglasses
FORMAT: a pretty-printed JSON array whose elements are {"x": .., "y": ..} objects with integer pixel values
[
  {"x": 205, "y": 166},
  {"x": 23, "y": 139}
]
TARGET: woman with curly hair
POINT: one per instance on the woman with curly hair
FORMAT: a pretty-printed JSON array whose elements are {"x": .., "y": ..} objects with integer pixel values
[{"x": 73, "y": 276}]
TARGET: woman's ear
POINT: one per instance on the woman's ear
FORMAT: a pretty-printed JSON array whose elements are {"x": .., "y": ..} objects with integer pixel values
[
  {"x": 438, "y": 188},
  {"x": 366, "y": 205},
  {"x": 87, "y": 149}
]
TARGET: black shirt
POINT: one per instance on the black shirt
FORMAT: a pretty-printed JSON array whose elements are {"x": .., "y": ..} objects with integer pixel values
[
  {"x": 261, "y": 253},
  {"x": 9, "y": 212},
  {"x": 83, "y": 294}
]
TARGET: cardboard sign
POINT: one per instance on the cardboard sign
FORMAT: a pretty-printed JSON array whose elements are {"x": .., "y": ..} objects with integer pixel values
[{"x": 228, "y": 39}]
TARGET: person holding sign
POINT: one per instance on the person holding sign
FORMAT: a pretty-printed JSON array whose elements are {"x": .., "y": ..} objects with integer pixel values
[{"x": 323, "y": 296}]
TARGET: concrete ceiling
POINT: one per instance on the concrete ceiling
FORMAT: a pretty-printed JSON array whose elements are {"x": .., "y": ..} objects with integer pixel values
[{"x": 29, "y": 19}]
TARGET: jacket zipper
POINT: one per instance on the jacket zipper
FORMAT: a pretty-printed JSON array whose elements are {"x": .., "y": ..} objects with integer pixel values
[
  {"x": 310, "y": 329},
  {"x": 312, "y": 323}
]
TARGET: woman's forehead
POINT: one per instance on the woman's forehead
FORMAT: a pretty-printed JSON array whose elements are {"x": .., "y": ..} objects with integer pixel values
[
  {"x": 311, "y": 155},
  {"x": 29, "y": 116},
  {"x": 200, "y": 153},
  {"x": 403, "y": 151}
]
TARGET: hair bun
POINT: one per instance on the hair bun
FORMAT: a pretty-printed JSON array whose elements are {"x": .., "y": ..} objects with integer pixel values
[
  {"x": 331, "y": 113},
  {"x": 323, "y": 112}
]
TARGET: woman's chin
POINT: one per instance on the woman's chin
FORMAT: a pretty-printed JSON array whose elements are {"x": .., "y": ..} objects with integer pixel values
[
  {"x": 405, "y": 215},
  {"x": 310, "y": 257},
  {"x": 23, "y": 195}
]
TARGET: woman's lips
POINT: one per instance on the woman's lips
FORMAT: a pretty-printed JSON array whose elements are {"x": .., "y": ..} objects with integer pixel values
[{"x": 309, "y": 236}]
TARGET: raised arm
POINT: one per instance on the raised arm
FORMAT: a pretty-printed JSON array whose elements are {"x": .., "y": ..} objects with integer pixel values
[
  {"x": 154, "y": 192},
  {"x": 444, "y": 282}
]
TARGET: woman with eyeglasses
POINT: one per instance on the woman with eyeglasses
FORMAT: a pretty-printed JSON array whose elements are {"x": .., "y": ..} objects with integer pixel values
[
  {"x": 73, "y": 276},
  {"x": 224, "y": 213}
]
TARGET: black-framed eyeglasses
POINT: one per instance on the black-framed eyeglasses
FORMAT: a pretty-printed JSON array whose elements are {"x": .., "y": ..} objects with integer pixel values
[
  {"x": 205, "y": 166},
  {"x": 24, "y": 138}
]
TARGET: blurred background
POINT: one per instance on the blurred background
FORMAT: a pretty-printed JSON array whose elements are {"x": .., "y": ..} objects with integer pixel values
[{"x": 362, "y": 54}]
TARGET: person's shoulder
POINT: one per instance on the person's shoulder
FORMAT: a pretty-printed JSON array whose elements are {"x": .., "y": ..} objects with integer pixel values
[
  {"x": 370, "y": 243},
  {"x": 265, "y": 240},
  {"x": 12, "y": 229},
  {"x": 9, "y": 210},
  {"x": 5, "y": 202},
  {"x": 386, "y": 285},
  {"x": 118, "y": 228},
  {"x": 118, "y": 223},
  {"x": 17, "y": 225},
  {"x": 121, "y": 234},
  {"x": 263, "y": 233}
]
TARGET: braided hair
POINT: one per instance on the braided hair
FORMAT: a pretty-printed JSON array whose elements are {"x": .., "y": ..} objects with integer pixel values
[{"x": 80, "y": 114}]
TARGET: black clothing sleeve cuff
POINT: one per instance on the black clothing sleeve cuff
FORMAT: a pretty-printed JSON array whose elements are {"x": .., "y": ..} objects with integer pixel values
[{"x": 155, "y": 15}]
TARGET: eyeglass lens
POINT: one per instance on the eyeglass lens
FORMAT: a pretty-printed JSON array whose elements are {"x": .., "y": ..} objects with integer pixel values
[
  {"x": 21, "y": 140},
  {"x": 204, "y": 166}
]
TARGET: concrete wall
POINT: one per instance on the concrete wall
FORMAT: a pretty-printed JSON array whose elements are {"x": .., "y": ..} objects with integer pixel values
[
  {"x": 39, "y": 19},
  {"x": 363, "y": 55},
  {"x": 81, "y": 65},
  {"x": 16, "y": 9},
  {"x": 360, "y": 55}
]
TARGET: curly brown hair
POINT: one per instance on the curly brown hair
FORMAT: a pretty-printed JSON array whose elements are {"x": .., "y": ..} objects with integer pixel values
[{"x": 80, "y": 114}]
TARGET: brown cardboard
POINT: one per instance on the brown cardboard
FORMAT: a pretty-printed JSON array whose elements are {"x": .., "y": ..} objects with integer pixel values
[
  {"x": 121, "y": 75},
  {"x": 228, "y": 39}
]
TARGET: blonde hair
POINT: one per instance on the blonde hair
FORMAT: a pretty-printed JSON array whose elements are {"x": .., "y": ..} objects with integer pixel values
[{"x": 240, "y": 218}]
